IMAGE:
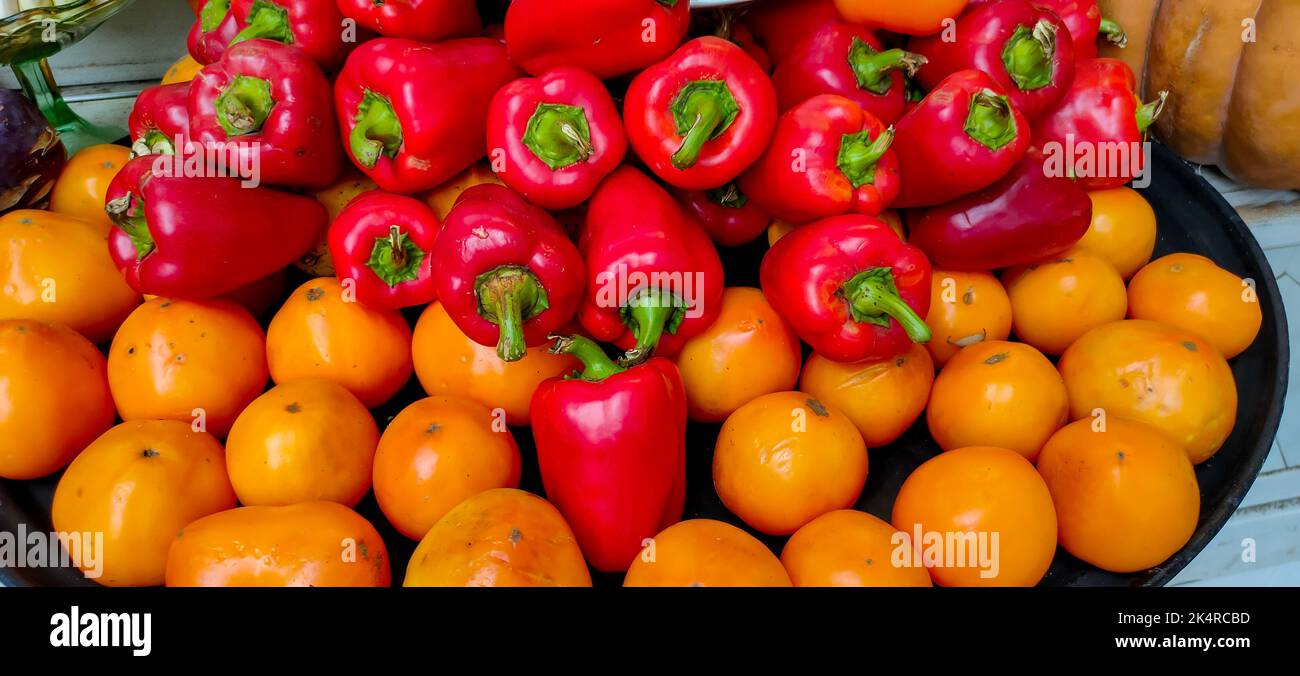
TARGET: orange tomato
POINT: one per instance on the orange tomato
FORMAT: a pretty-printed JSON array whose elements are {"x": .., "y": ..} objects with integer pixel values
[
  {"x": 1123, "y": 230},
  {"x": 913, "y": 17},
  {"x": 882, "y": 398},
  {"x": 183, "y": 70},
  {"x": 1055, "y": 302},
  {"x": 1000, "y": 393},
  {"x": 54, "y": 397},
  {"x": 1155, "y": 374},
  {"x": 965, "y": 308},
  {"x": 448, "y": 362},
  {"x": 778, "y": 229},
  {"x": 705, "y": 553},
  {"x": 785, "y": 459},
  {"x": 302, "y": 441},
  {"x": 322, "y": 332},
  {"x": 83, "y": 183},
  {"x": 310, "y": 544},
  {"x": 978, "y": 517},
  {"x": 1191, "y": 293},
  {"x": 139, "y": 484},
  {"x": 187, "y": 360},
  {"x": 442, "y": 198},
  {"x": 747, "y": 352},
  {"x": 848, "y": 548},
  {"x": 503, "y": 537},
  {"x": 437, "y": 453},
  {"x": 1126, "y": 495}
]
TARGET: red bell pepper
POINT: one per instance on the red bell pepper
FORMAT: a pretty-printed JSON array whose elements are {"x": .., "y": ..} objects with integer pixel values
[
  {"x": 653, "y": 277},
  {"x": 212, "y": 31},
  {"x": 778, "y": 25},
  {"x": 828, "y": 157},
  {"x": 200, "y": 237},
  {"x": 414, "y": 115},
  {"x": 553, "y": 138},
  {"x": 1086, "y": 24},
  {"x": 611, "y": 446},
  {"x": 506, "y": 271},
  {"x": 963, "y": 136},
  {"x": 315, "y": 26},
  {"x": 700, "y": 117},
  {"x": 1027, "y": 50},
  {"x": 850, "y": 288},
  {"x": 384, "y": 243},
  {"x": 274, "y": 104},
  {"x": 744, "y": 38},
  {"x": 727, "y": 214},
  {"x": 850, "y": 61},
  {"x": 159, "y": 117},
  {"x": 423, "y": 20},
  {"x": 606, "y": 38}
]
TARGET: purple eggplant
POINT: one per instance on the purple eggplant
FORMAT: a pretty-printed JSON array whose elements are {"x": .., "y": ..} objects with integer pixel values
[{"x": 31, "y": 154}]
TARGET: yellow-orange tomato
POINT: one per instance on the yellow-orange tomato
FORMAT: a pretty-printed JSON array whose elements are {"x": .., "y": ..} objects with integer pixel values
[
  {"x": 320, "y": 332},
  {"x": 183, "y": 70},
  {"x": 747, "y": 352},
  {"x": 83, "y": 183},
  {"x": 965, "y": 308},
  {"x": 138, "y": 484},
  {"x": 503, "y": 537},
  {"x": 302, "y": 441},
  {"x": 334, "y": 196},
  {"x": 785, "y": 459},
  {"x": 848, "y": 548},
  {"x": 54, "y": 397},
  {"x": 1191, "y": 293},
  {"x": 310, "y": 544},
  {"x": 1055, "y": 302},
  {"x": 442, "y": 198},
  {"x": 978, "y": 517},
  {"x": 1123, "y": 230},
  {"x": 1155, "y": 374},
  {"x": 895, "y": 223},
  {"x": 437, "y": 453},
  {"x": 705, "y": 553},
  {"x": 189, "y": 361},
  {"x": 882, "y": 398},
  {"x": 448, "y": 362},
  {"x": 778, "y": 229},
  {"x": 997, "y": 393},
  {"x": 1126, "y": 495}
]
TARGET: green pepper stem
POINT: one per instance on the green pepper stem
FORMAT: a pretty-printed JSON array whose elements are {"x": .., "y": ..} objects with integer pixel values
[
  {"x": 597, "y": 366},
  {"x": 377, "y": 130},
  {"x": 872, "y": 69},
  {"x": 1028, "y": 54},
  {"x": 872, "y": 297},
  {"x": 991, "y": 121},
  {"x": 154, "y": 142},
  {"x": 243, "y": 106},
  {"x": 1114, "y": 32},
  {"x": 859, "y": 154},
  {"x": 127, "y": 213},
  {"x": 394, "y": 258},
  {"x": 649, "y": 313},
  {"x": 509, "y": 296},
  {"x": 212, "y": 14},
  {"x": 728, "y": 196},
  {"x": 1148, "y": 113},
  {"x": 266, "y": 20},
  {"x": 702, "y": 110},
  {"x": 559, "y": 135}
]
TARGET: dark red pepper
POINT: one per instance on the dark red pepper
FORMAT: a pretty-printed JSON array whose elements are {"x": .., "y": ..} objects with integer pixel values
[
  {"x": 606, "y": 38},
  {"x": 384, "y": 243},
  {"x": 779, "y": 25},
  {"x": 726, "y": 213},
  {"x": 212, "y": 31},
  {"x": 159, "y": 117},
  {"x": 314, "y": 26},
  {"x": 850, "y": 61},
  {"x": 423, "y": 20}
]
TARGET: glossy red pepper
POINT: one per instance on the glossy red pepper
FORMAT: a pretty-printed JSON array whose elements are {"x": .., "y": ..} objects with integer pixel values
[
  {"x": 744, "y": 38},
  {"x": 700, "y": 117},
  {"x": 778, "y": 25},
  {"x": 963, "y": 136},
  {"x": 314, "y": 26},
  {"x": 850, "y": 288},
  {"x": 423, "y": 20},
  {"x": 828, "y": 157},
  {"x": 553, "y": 138},
  {"x": 505, "y": 271},
  {"x": 384, "y": 243},
  {"x": 848, "y": 60},
  {"x": 729, "y": 216},
  {"x": 199, "y": 237},
  {"x": 212, "y": 31},
  {"x": 611, "y": 446},
  {"x": 159, "y": 117},
  {"x": 653, "y": 277},
  {"x": 606, "y": 38},
  {"x": 414, "y": 115},
  {"x": 1086, "y": 24},
  {"x": 274, "y": 105}
]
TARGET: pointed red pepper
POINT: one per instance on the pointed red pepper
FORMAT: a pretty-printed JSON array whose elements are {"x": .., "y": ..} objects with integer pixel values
[
  {"x": 606, "y": 38},
  {"x": 423, "y": 20},
  {"x": 850, "y": 61},
  {"x": 729, "y": 216},
  {"x": 212, "y": 31},
  {"x": 160, "y": 116},
  {"x": 384, "y": 243},
  {"x": 314, "y": 26}
]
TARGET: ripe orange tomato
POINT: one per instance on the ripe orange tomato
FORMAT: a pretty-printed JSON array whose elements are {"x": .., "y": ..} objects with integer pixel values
[
  {"x": 183, "y": 70},
  {"x": 978, "y": 517},
  {"x": 322, "y": 332},
  {"x": 1126, "y": 495},
  {"x": 310, "y": 544},
  {"x": 437, "y": 453},
  {"x": 1055, "y": 302},
  {"x": 83, "y": 183},
  {"x": 302, "y": 441},
  {"x": 778, "y": 229},
  {"x": 1191, "y": 293},
  {"x": 785, "y": 459},
  {"x": 54, "y": 397},
  {"x": 882, "y": 398},
  {"x": 965, "y": 308},
  {"x": 848, "y": 548},
  {"x": 442, "y": 198},
  {"x": 997, "y": 393},
  {"x": 139, "y": 484},
  {"x": 448, "y": 362},
  {"x": 747, "y": 352},
  {"x": 1123, "y": 230},
  {"x": 1155, "y": 374},
  {"x": 503, "y": 537},
  {"x": 705, "y": 553},
  {"x": 189, "y": 361}
]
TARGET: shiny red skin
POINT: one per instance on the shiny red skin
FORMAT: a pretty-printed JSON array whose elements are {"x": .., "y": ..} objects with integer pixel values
[
  {"x": 778, "y": 25},
  {"x": 208, "y": 46},
  {"x": 317, "y": 27},
  {"x": 1082, "y": 17},
  {"x": 744, "y": 38},
  {"x": 351, "y": 238},
  {"x": 727, "y": 225},
  {"x": 602, "y": 37},
  {"x": 819, "y": 64},
  {"x": 298, "y": 144},
  {"x": 652, "y": 130},
  {"x": 813, "y": 131},
  {"x": 442, "y": 109},
  {"x": 163, "y": 109},
  {"x": 612, "y": 456},
  {"x": 520, "y": 169},
  {"x": 423, "y": 20},
  {"x": 802, "y": 273},
  {"x": 938, "y": 161}
]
